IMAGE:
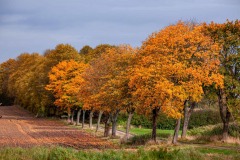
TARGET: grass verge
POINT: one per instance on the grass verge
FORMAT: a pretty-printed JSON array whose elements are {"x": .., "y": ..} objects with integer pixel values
[
  {"x": 165, "y": 153},
  {"x": 218, "y": 151}
]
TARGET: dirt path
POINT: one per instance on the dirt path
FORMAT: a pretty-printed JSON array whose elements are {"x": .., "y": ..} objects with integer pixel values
[{"x": 19, "y": 128}]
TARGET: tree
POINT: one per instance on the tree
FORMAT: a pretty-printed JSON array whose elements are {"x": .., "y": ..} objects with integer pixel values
[
  {"x": 173, "y": 66},
  {"x": 61, "y": 53},
  {"x": 106, "y": 85},
  {"x": 115, "y": 91},
  {"x": 7, "y": 68},
  {"x": 54, "y": 56},
  {"x": 20, "y": 81},
  {"x": 151, "y": 91},
  {"x": 43, "y": 98},
  {"x": 65, "y": 80},
  {"x": 90, "y": 87},
  {"x": 86, "y": 53},
  {"x": 27, "y": 81},
  {"x": 227, "y": 35},
  {"x": 86, "y": 50},
  {"x": 1, "y": 79},
  {"x": 187, "y": 111},
  {"x": 90, "y": 54},
  {"x": 23, "y": 82}
]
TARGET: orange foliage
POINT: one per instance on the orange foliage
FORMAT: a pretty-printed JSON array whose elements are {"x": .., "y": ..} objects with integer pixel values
[
  {"x": 106, "y": 80},
  {"x": 173, "y": 66},
  {"x": 65, "y": 81}
]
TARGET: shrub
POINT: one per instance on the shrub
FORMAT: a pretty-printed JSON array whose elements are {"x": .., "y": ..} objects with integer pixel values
[
  {"x": 198, "y": 118},
  {"x": 141, "y": 120},
  {"x": 163, "y": 121},
  {"x": 204, "y": 117},
  {"x": 139, "y": 139},
  {"x": 144, "y": 138},
  {"x": 212, "y": 130}
]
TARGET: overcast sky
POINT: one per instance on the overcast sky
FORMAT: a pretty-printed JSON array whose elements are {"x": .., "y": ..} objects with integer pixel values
[{"x": 37, "y": 25}]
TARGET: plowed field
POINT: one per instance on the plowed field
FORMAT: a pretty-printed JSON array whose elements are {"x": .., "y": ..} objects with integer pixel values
[{"x": 18, "y": 128}]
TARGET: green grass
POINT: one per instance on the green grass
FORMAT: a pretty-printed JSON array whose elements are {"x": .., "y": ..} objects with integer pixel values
[
  {"x": 218, "y": 151},
  {"x": 143, "y": 135},
  {"x": 165, "y": 153},
  {"x": 142, "y": 131}
]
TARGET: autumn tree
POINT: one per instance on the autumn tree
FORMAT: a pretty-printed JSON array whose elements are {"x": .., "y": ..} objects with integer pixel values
[
  {"x": 65, "y": 80},
  {"x": 43, "y": 98},
  {"x": 86, "y": 52},
  {"x": 19, "y": 84},
  {"x": 1, "y": 79},
  {"x": 22, "y": 82},
  {"x": 172, "y": 68},
  {"x": 54, "y": 56},
  {"x": 227, "y": 35},
  {"x": 115, "y": 91},
  {"x": 107, "y": 84},
  {"x": 61, "y": 53},
  {"x": 151, "y": 90},
  {"x": 202, "y": 68},
  {"x": 90, "y": 88},
  {"x": 7, "y": 68},
  {"x": 27, "y": 76},
  {"x": 90, "y": 54}
]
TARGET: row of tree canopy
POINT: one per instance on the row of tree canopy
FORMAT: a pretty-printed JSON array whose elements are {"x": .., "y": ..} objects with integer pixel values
[{"x": 170, "y": 73}]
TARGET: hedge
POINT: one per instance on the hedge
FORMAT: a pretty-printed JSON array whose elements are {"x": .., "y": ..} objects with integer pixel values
[{"x": 198, "y": 118}]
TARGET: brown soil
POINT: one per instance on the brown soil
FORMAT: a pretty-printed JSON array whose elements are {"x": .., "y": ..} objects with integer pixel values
[{"x": 19, "y": 128}]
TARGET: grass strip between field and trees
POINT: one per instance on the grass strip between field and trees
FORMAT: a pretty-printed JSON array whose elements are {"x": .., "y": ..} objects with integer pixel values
[{"x": 165, "y": 153}]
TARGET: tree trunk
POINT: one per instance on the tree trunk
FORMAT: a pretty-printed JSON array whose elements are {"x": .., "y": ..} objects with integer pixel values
[
  {"x": 72, "y": 117},
  {"x": 224, "y": 113},
  {"x": 114, "y": 123},
  {"x": 78, "y": 117},
  {"x": 130, "y": 115},
  {"x": 226, "y": 125},
  {"x": 56, "y": 111},
  {"x": 177, "y": 126},
  {"x": 90, "y": 119},
  {"x": 69, "y": 118},
  {"x": 154, "y": 123},
  {"x": 107, "y": 127},
  {"x": 187, "y": 115},
  {"x": 99, "y": 120},
  {"x": 83, "y": 118}
]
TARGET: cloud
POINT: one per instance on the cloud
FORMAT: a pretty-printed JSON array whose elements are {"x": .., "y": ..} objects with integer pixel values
[{"x": 32, "y": 25}]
